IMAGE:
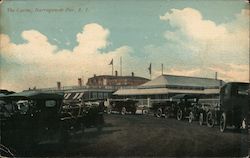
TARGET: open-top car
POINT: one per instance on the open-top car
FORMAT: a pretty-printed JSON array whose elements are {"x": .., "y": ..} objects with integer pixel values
[
  {"x": 187, "y": 106},
  {"x": 123, "y": 106}
]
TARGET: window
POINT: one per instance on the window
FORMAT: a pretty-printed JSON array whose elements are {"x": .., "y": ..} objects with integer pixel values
[
  {"x": 242, "y": 90},
  {"x": 50, "y": 103},
  {"x": 105, "y": 95},
  {"x": 227, "y": 91},
  {"x": 94, "y": 95},
  {"x": 100, "y": 95}
]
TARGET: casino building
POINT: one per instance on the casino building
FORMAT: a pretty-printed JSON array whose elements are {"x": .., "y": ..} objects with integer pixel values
[
  {"x": 166, "y": 86},
  {"x": 116, "y": 81}
]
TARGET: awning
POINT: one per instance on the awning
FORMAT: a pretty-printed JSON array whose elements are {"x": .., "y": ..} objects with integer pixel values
[{"x": 73, "y": 96}]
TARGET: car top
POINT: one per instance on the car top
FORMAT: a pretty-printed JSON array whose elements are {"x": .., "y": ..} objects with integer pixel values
[{"x": 33, "y": 95}]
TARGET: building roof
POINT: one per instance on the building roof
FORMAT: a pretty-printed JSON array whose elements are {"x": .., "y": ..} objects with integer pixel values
[
  {"x": 155, "y": 91},
  {"x": 113, "y": 77},
  {"x": 185, "y": 81},
  {"x": 165, "y": 84}
]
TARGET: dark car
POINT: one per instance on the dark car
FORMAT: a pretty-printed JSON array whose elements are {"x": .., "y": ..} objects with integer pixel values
[
  {"x": 123, "y": 106},
  {"x": 187, "y": 106},
  {"x": 28, "y": 117},
  {"x": 83, "y": 114},
  {"x": 164, "y": 109}
]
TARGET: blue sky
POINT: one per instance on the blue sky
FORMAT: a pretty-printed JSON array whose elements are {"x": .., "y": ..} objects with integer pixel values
[{"x": 193, "y": 38}]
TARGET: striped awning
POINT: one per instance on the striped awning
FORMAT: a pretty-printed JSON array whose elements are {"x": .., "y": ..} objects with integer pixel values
[{"x": 73, "y": 96}]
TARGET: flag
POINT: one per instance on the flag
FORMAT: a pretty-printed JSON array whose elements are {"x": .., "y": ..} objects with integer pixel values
[
  {"x": 111, "y": 62},
  {"x": 149, "y": 68}
]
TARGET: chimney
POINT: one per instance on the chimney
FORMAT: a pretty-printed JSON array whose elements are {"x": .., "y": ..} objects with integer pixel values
[
  {"x": 59, "y": 85},
  {"x": 79, "y": 82},
  {"x": 94, "y": 75},
  {"x": 132, "y": 74},
  {"x": 216, "y": 75},
  {"x": 116, "y": 73}
]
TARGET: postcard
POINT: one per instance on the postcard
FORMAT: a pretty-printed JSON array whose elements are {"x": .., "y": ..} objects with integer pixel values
[{"x": 160, "y": 78}]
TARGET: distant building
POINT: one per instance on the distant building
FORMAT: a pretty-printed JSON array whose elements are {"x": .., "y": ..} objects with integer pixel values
[
  {"x": 97, "y": 87},
  {"x": 166, "y": 86},
  {"x": 116, "y": 81}
]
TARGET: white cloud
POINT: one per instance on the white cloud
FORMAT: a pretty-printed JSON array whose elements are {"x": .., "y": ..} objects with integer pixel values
[
  {"x": 184, "y": 72},
  {"x": 42, "y": 64},
  {"x": 225, "y": 44},
  {"x": 233, "y": 72},
  {"x": 190, "y": 22},
  {"x": 207, "y": 38}
]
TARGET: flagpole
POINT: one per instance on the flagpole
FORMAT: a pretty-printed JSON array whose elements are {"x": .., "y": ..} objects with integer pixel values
[
  {"x": 112, "y": 69},
  {"x": 121, "y": 65},
  {"x": 111, "y": 63},
  {"x": 150, "y": 70},
  {"x": 161, "y": 69}
]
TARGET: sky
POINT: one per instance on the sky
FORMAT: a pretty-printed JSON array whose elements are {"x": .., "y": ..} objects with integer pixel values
[{"x": 46, "y": 41}]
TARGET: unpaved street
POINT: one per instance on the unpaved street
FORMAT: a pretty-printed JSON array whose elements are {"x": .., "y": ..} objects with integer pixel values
[{"x": 143, "y": 135}]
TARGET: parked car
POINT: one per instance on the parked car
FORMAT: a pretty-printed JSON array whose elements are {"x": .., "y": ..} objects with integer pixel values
[
  {"x": 187, "y": 106},
  {"x": 165, "y": 109},
  {"x": 30, "y": 117},
  {"x": 123, "y": 106}
]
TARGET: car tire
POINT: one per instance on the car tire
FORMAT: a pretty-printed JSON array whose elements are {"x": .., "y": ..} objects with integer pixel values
[
  {"x": 223, "y": 122},
  {"x": 167, "y": 112},
  {"x": 210, "y": 119},
  {"x": 123, "y": 110},
  {"x": 109, "y": 110},
  {"x": 179, "y": 114},
  {"x": 144, "y": 111},
  {"x": 158, "y": 112}
]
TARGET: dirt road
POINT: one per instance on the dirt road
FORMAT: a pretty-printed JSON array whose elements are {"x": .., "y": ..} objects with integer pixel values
[{"x": 143, "y": 135}]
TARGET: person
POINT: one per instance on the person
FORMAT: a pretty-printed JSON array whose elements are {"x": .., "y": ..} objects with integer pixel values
[{"x": 23, "y": 106}]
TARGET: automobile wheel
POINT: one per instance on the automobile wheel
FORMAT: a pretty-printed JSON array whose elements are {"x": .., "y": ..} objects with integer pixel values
[
  {"x": 144, "y": 111},
  {"x": 158, "y": 112},
  {"x": 223, "y": 122},
  {"x": 210, "y": 119},
  {"x": 167, "y": 112},
  {"x": 109, "y": 110},
  {"x": 201, "y": 119},
  {"x": 123, "y": 111},
  {"x": 191, "y": 117},
  {"x": 179, "y": 114}
]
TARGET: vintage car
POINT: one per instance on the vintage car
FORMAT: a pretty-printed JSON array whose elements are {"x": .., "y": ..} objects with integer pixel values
[
  {"x": 26, "y": 117},
  {"x": 165, "y": 109},
  {"x": 232, "y": 108},
  {"x": 187, "y": 106},
  {"x": 30, "y": 117},
  {"x": 83, "y": 115},
  {"x": 123, "y": 106}
]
